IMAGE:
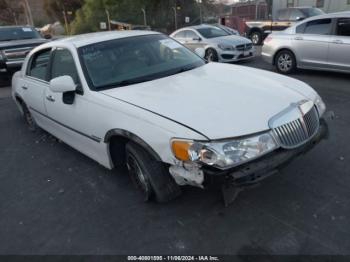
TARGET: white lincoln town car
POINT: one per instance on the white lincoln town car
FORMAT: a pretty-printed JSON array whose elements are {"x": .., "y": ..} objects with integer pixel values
[{"x": 142, "y": 100}]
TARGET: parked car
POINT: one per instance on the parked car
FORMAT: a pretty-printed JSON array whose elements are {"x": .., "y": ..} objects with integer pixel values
[
  {"x": 15, "y": 43},
  {"x": 257, "y": 31},
  {"x": 321, "y": 43},
  {"x": 143, "y": 100},
  {"x": 219, "y": 45}
]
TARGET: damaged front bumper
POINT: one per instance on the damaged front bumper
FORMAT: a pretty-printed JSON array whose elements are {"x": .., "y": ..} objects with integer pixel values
[
  {"x": 233, "y": 180},
  {"x": 265, "y": 166}
]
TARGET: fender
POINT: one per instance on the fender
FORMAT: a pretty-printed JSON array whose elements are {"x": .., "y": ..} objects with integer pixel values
[{"x": 136, "y": 139}]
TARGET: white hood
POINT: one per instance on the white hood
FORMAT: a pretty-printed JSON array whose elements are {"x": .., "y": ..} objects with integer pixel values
[{"x": 218, "y": 100}]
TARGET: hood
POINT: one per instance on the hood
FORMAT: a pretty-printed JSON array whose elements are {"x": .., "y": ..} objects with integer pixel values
[
  {"x": 218, "y": 100},
  {"x": 22, "y": 43},
  {"x": 230, "y": 40}
]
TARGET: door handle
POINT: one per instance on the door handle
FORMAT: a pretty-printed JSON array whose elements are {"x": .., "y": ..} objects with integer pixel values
[
  {"x": 24, "y": 87},
  {"x": 299, "y": 38},
  {"x": 338, "y": 41},
  {"x": 50, "y": 98}
]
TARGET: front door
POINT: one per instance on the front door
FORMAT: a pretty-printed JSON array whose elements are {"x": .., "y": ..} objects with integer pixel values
[
  {"x": 311, "y": 43},
  {"x": 67, "y": 111},
  {"x": 339, "y": 49}
]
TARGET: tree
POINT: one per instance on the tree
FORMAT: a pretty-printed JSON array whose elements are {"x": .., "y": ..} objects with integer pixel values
[
  {"x": 160, "y": 13},
  {"x": 55, "y": 8}
]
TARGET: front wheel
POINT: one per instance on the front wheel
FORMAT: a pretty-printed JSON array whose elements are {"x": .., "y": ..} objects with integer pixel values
[
  {"x": 285, "y": 62},
  {"x": 211, "y": 55},
  {"x": 150, "y": 176}
]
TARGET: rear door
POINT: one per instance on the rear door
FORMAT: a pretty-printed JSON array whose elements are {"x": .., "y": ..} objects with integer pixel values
[
  {"x": 36, "y": 83},
  {"x": 180, "y": 37},
  {"x": 339, "y": 49},
  {"x": 311, "y": 43},
  {"x": 193, "y": 40}
]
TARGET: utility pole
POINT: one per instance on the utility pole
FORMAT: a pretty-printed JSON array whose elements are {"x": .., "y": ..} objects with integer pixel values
[
  {"x": 28, "y": 13},
  {"x": 175, "y": 15},
  {"x": 200, "y": 11},
  {"x": 144, "y": 16},
  {"x": 108, "y": 19},
  {"x": 65, "y": 22}
]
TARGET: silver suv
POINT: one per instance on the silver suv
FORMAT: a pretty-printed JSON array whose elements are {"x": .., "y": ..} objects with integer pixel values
[{"x": 321, "y": 43}]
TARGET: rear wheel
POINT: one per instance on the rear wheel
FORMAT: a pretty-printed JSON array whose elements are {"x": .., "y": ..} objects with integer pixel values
[
  {"x": 256, "y": 38},
  {"x": 211, "y": 55},
  {"x": 150, "y": 176},
  {"x": 28, "y": 118},
  {"x": 285, "y": 62}
]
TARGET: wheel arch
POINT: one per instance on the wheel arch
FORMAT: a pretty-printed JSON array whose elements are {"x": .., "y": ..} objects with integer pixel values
[
  {"x": 117, "y": 140},
  {"x": 284, "y": 49}
]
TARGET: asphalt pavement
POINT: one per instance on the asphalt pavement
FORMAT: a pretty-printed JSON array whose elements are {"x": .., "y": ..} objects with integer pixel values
[{"x": 54, "y": 200}]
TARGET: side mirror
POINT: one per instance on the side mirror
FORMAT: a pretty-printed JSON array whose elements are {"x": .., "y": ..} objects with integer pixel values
[
  {"x": 200, "y": 52},
  {"x": 299, "y": 18},
  {"x": 197, "y": 39},
  {"x": 62, "y": 84}
]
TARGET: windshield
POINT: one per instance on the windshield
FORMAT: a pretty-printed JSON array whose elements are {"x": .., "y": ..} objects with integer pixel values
[
  {"x": 134, "y": 60},
  {"x": 309, "y": 12},
  {"x": 212, "y": 32},
  {"x": 18, "y": 33}
]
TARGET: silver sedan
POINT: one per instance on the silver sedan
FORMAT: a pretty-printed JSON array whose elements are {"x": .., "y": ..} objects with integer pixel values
[
  {"x": 219, "y": 45},
  {"x": 321, "y": 43}
]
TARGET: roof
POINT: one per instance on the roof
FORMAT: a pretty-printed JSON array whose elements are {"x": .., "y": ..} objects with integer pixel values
[
  {"x": 331, "y": 15},
  {"x": 15, "y": 26},
  {"x": 91, "y": 38},
  {"x": 197, "y": 27}
]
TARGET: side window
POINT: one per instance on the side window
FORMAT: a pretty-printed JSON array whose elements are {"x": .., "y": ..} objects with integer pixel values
[
  {"x": 191, "y": 34},
  {"x": 319, "y": 27},
  {"x": 180, "y": 34},
  {"x": 300, "y": 28},
  {"x": 63, "y": 64},
  {"x": 343, "y": 27},
  {"x": 295, "y": 15},
  {"x": 283, "y": 15},
  {"x": 39, "y": 65}
]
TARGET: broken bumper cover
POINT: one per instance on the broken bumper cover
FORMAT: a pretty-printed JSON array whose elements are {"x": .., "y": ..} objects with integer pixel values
[{"x": 264, "y": 167}]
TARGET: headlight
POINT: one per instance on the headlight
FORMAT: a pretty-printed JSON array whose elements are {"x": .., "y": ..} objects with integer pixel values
[
  {"x": 321, "y": 106},
  {"x": 224, "y": 154},
  {"x": 226, "y": 47}
]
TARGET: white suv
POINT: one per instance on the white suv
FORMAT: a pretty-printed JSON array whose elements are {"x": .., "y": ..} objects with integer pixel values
[{"x": 143, "y": 100}]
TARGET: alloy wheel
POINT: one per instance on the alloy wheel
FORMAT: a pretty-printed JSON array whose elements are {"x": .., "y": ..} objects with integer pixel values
[{"x": 285, "y": 62}]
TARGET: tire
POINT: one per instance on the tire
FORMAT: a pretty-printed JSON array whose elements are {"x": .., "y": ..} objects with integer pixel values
[
  {"x": 285, "y": 62},
  {"x": 256, "y": 38},
  {"x": 211, "y": 55},
  {"x": 150, "y": 175},
  {"x": 28, "y": 118}
]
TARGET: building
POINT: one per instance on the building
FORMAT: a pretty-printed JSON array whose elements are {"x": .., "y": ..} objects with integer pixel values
[{"x": 329, "y": 6}]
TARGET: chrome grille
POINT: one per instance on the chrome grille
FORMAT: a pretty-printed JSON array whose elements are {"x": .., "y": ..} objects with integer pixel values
[
  {"x": 245, "y": 47},
  {"x": 18, "y": 53},
  {"x": 299, "y": 131}
]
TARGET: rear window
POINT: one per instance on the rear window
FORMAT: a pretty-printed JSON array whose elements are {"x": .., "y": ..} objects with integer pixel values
[
  {"x": 18, "y": 33},
  {"x": 343, "y": 27},
  {"x": 309, "y": 12}
]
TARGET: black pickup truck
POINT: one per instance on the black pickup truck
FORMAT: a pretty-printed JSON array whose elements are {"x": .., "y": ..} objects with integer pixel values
[
  {"x": 258, "y": 30},
  {"x": 15, "y": 43}
]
